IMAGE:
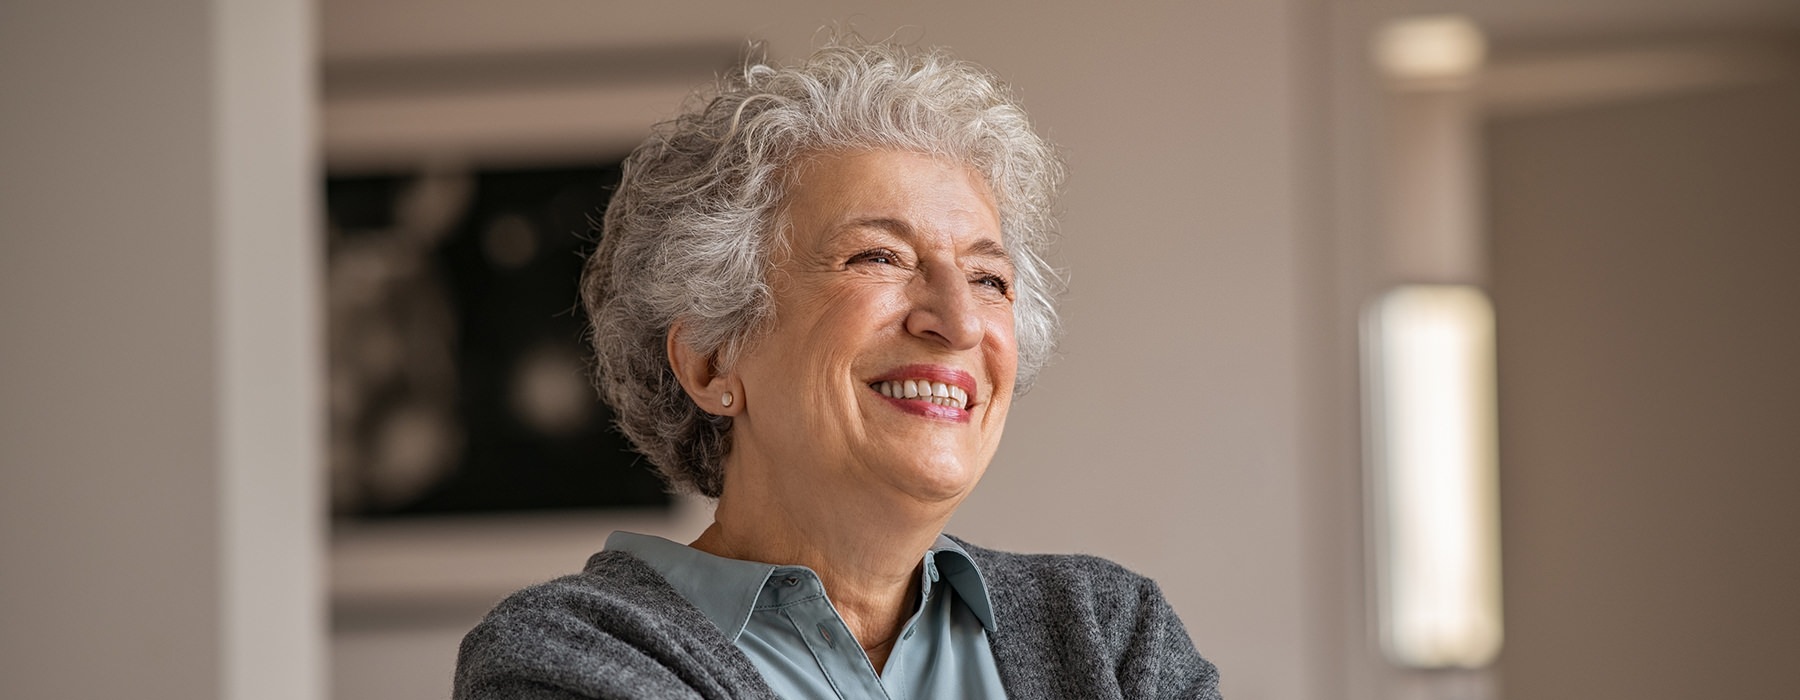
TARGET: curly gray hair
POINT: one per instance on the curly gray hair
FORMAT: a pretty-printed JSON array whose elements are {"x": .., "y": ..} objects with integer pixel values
[{"x": 689, "y": 234}]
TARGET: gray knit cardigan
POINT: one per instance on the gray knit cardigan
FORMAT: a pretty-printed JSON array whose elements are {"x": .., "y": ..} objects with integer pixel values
[{"x": 1068, "y": 627}]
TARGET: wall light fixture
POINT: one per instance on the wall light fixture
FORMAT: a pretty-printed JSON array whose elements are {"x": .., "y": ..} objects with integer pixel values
[{"x": 1429, "y": 363}]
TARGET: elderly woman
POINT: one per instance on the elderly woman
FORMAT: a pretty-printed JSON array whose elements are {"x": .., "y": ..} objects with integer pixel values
[{"x": 814, "y": 300}]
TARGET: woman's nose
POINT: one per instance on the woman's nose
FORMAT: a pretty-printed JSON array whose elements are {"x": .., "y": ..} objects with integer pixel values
[{"x": 944, "y": 310}]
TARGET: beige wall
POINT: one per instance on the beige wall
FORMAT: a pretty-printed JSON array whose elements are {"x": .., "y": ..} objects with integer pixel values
[
  {"x": 109, "y": 491},
  {"x": 1366, "y": 136},
  {"x": 159, "y": 530},
  {"x": 1645, "y": 258}
]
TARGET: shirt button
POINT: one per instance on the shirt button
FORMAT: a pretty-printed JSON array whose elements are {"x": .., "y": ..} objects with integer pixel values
[
  {"x": 908, "y": 634},
  {"x": 826, "y": 633},
  {"x": 791, "y": 581}
]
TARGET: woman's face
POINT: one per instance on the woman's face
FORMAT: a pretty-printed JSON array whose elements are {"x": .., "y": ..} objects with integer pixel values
[{"x": 894, "y": 284}]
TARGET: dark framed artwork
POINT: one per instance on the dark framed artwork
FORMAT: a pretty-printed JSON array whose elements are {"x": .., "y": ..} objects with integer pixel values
[{"x": 458, "y": 374}]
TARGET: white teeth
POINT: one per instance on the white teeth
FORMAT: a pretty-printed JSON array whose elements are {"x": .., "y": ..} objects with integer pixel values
[{"x": 925, "y": 390}]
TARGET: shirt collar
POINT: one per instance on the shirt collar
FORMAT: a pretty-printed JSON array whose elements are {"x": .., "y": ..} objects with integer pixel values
[
  {"x": 954, "y": 565},
  {"x": 726, "y": 590}
]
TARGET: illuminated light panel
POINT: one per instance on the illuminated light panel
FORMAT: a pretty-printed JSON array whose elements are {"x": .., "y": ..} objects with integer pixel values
[
  {"x": 1429, "y": 351},
  {"x": 1430, "y": 48}
]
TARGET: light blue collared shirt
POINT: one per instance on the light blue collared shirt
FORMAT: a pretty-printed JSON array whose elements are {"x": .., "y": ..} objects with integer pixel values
[{"x": 780, "y": 618}]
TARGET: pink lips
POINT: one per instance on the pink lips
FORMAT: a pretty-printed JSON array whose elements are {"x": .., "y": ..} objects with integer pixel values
[{"x": 935, "y": 373}]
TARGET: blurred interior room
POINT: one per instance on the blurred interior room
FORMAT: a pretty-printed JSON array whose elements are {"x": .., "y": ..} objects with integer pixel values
[{"x": 1419, "y": 350}]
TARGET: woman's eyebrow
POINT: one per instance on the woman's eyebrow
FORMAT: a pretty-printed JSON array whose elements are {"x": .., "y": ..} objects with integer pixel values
[
  {"x": 890, "y": 225},
  {"x": 989, "y": 248}
]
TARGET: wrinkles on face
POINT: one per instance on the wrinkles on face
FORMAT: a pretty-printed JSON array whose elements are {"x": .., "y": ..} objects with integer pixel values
[{"x": 890, "y": 261}]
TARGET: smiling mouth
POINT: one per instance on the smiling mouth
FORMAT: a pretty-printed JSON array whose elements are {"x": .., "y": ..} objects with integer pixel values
[{"x": 924, "y": 390}]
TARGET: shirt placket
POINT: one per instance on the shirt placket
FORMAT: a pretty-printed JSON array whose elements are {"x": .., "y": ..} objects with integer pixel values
[
  {"x": 845, "y": 665},
  {"x": 897, "y": 663}
]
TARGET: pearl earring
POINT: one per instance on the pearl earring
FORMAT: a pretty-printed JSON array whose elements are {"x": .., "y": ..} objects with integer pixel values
[{"x": 726, "y": 399}]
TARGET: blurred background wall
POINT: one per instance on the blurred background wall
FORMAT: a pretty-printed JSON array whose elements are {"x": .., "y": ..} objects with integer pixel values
[
  {"x": 1231, "y": 209},
  {"x": 160, "y": 434},
  {"x": 1645, "y": 261}
]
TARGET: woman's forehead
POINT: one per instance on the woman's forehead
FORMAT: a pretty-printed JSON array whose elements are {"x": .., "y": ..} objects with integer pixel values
[{"x": 896, "y": 193}]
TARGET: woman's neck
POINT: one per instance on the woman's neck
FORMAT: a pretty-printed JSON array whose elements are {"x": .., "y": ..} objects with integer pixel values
[{"x": 866, "y": 556}]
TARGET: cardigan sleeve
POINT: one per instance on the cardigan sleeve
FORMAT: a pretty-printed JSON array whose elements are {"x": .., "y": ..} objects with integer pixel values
[
  {"x": 537, "y": 646},
  {"x": 1079, "y": 626},
  {"x": 617, "y": 630},
  {"x": 1161, "y": 654}
]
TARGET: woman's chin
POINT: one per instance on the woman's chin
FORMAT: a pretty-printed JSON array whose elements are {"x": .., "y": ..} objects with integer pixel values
[{"x": 933, "y": 482}]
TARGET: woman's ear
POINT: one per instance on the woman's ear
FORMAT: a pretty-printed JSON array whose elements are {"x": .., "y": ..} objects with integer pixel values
[{"x": 715, "y": 392}]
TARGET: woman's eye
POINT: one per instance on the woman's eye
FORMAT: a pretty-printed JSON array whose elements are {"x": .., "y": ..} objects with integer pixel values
[
  {"x": 879, "y": 257},
  {"x": 995, "y": 282}
]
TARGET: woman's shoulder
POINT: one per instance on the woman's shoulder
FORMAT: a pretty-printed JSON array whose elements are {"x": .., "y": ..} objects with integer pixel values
[
  {"x": 1072, "y": 592},
  {"x": 612, "y": 589},
  {"x": 1075, "y": 621},
  {"x": 1068, "y": 574},
  {"x": 587, "y": 633}
]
